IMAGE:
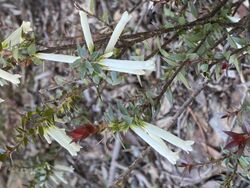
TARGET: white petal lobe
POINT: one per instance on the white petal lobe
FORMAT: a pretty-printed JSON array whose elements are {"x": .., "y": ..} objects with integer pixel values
[
  {"x": 117, "y": 32},
  {"x": 157, "y": 144},
  {"x": 13, "y": 78},
  {"x": 86, "y": 31},
  {"x": 60, "y": 136},
  {"x": 185, "y": 145},
  {"x": 57, "y": 57}
]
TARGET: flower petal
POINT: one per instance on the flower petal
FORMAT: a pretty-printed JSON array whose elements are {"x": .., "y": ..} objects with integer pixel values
[
  {"x": 16, "y": 37},
  {"x": 57, "y": 57},
  {"x": 126, "y": 66},
  {"x": 62, "y": 138},
  {"x": 117, "y": 32},
  {"x": 86, "y": 31},
  {"x": 156, "y": 143},
  {"x": 1, "y": 100},
  {"x": 13, "y": 78},
  {"x": 185, "y": 145}
]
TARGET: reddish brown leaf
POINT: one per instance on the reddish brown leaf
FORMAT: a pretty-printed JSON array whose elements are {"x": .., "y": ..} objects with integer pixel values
[
  {"x": 82, "y": 132},
  {"x": 238, "y": 139}
]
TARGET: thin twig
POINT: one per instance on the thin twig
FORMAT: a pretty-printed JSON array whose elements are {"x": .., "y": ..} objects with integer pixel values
[
  {"x": 124, "y": 175},
  {"x": 185, "y": 105},
  {"x": 169, "y": 81}
]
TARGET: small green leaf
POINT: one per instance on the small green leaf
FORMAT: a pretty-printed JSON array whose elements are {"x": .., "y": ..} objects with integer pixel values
[
  {"x": 110, "y": 115},
  {"x": 204, "y": 67},
  {"x": 121, "y": 108},
  {"x": 37, "y": 61},
  {"x": 182, "y": 20},
  {"x": 89, "y": 67},
  {"x": 234, "y": 60},
  {"x": 127, "y": 119},
  {"x": 193, "y": 9},
  {"x": 25, "y": 141},
  {"x": 31, "y": 49},
  {"x": 248, "y": 50},
  {"x": 169, "y": 96},
  {"x": 178, "y": 57},
  {"x": 210, "y": 41},
  {"x": 168, "y": 12},
  {"x": 41, "y": 130},
  {"x": 3, "y": 156},
  {"x": 96, "y": 79},
  {"x": 231, "y": 42},
  {"x": 182, "y": 79}
]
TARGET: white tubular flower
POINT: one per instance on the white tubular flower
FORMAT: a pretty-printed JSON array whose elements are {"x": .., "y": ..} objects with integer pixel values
[
  {"x": 16, "y": 37},
  {"x": 156, "y": 143},
  {"x": 86, "y": 31},
  {"x": 13, "y": 78},
  {"x": 57, "y": 57},
  {"x": 1, "y": 100},
  {"x": 153, "y": 135},
  {"x": 117, "y": 32},
  {"x": 60, "y": 136},
  {"x": 184, "y": 145},
  {"x": 126, "y": 66}
]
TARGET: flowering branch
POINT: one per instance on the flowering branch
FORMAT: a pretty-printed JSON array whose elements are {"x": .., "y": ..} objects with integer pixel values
[{"x": 132, "y": 67}]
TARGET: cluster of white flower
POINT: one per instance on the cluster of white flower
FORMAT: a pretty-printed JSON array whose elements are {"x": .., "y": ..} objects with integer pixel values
[
  {"x": 11, "y": 41},
  {"x": 154, "y": 136}
]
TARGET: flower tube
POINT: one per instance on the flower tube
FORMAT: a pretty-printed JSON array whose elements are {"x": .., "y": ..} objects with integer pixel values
[
  {"x": 184, "y": 145},
  {"x": 13, "y": 78},
  {"x": 57, "y": 57},
  {"x": 117, "y": 32},
  {"x": 128, "y": 64},
  {"x": 86, "y": 31},
  {"x": 60, "y": 136}
]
